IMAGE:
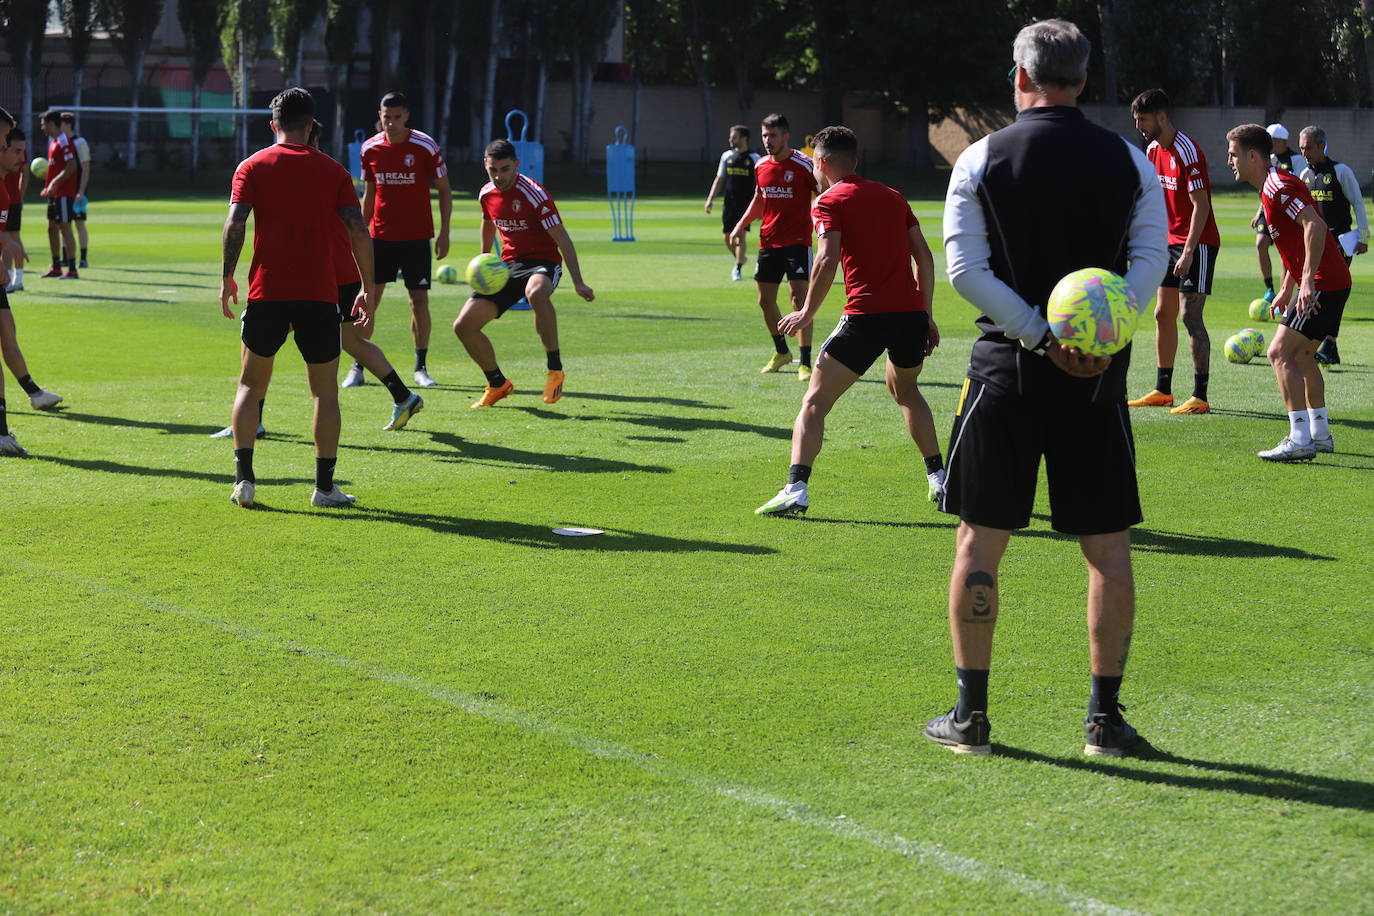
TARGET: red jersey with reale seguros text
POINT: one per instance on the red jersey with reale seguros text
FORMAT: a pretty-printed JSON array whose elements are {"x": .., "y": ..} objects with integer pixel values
[
  {"x": 1283, "y": 197},
  {"x": 1182, "y": 169},
  {"x": 786, "y": 188},
  {"x": 523, "y": 215},
  {"x": 402, "y": 173}
]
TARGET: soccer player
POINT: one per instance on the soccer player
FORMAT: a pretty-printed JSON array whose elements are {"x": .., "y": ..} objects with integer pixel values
[
  {"x": 536, "y": 245},
  {"x": 1193, "y": 246},
  {"x": 1337, "y": 192},
  {"x": 1285, "y": 160},
  {"x": 869, "y": 229},
  {"x": 399, "y": 165},
  {"x": 784, "y": 185},
  {"x": 60, "y": 191},
  {"x": 736, "y": 176},
  {"x": 14, "y": 156},
  {"x": 299, "y": 194},
  {"x": 16, "y": 183},
  {"x": 83, "y": 177},
  {"x": 1016, "y": 221},
  {"x": 1313, "y": 264}
]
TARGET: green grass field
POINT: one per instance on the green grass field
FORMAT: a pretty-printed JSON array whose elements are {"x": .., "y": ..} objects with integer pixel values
[{"x": 431, "y": 703}]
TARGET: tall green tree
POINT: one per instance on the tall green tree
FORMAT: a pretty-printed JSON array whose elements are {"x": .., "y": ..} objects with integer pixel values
[
  {"x": 242, "y": 25},
  {"x": 200, "y": 24},
  {"x": 78, "y": 17},
  {"x": 289, "y": 21},
  {"x": 24, "y": 23},
  {"x": 132, "y": 24},
  {"x": 589, "y": 26}
]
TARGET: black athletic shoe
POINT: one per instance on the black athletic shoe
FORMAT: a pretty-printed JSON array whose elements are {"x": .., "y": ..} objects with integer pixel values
[
  {"x": 1108, "y": 735},
  {"x": 1327, "y": 354},
  {"x": 969, "y": 737}
]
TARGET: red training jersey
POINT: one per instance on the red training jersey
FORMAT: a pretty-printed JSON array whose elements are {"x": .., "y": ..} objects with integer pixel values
[
  {"x": 402, "y": 173},
  {"x": 296, "y": 193},
  {"x": 1182, "y": 169},
  {"x": 873, "y": 221},
  {"x": 12, "y": 186},
  {"x": 4, "y": 206},
  {"x": 1283, "y": 197},
  {"x": 345, "y": 268},
  {"x": 523, "y": 215},
  {"x": 60, "y": 153},
  {"x": 786, "y": 188}
]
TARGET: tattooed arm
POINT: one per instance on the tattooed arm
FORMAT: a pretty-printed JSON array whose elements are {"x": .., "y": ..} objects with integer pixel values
[
  {"x": 361, "y": 243},
  {"x": 235, "y": 228}
]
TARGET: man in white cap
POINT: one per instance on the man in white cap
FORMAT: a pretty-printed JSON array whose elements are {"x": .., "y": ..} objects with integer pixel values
[{"x": 1284, "y": 159}]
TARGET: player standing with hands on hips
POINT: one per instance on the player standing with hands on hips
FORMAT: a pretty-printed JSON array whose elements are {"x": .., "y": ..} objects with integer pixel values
[{"x": 1016, "y": 221}]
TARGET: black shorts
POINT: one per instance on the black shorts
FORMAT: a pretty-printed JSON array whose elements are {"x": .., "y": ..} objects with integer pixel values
[
  {"x": 520, "y": 273},
  {"x": 348, "y": 294},
  {"x": 4, "y": 300},
  {"x": 314, "y": 324},
  {"x": 60, "y": 209},
  {"x": 410, "y": 259},
  {"x": 994, "y": 462},
  {"x": 858, "y": 340},
  {"x": 1326, "y": 323},
  {"x": 791, "y": 262},
  {"x": 731, "y": 215},
  {"x": 15, "y": 221},
  {"x": 1199, "y": 279}
]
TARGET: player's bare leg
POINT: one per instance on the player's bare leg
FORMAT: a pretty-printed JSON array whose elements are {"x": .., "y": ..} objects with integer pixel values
[
  {"x": 69, "y": 240},
  {"x": 539, "y": 294},
  {"x": 830, "y": 380},
  {"x": 324, "y": 391},
  {"x": 1111, "y": 619},
  {"x": 368, "y": 331},
  {"x": 419, "y": 317},
  {"x": 476, "y": 315},
  {"x": 356, "y": 345},
  {"x": 920, "y": 422},
  {"x": 1166, "y": 347},
  {"x": 798, "y": 289},
  {"x": 973, "y": 599},
  {"x": 768, "y": 304},
  {"x": 1266, "y": 266},
  {"x": 1292, "y": 356},
  {"x": 9, "y": 345},
  {"x": 55, "y": 246},
  {"x": 255, "y": 374},
  {"x": 1200, "y": 346}
]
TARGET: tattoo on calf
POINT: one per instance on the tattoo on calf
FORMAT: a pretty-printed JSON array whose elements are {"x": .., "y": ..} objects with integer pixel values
[{"x": 982, "y": 588}]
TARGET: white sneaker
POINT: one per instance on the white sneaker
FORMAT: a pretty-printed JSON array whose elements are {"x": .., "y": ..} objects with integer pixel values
[
  {"x": 354, "y": 378},
  {"x": 334, "y": 499},
  {"x": 10, "y": 446},
  {"x": 1288, "y": 450},
  {"x": 935, "y": 490},
  {"x": 791, "y": 500},
  {"x": 243, "y": 494},
  {"x": 1327, "y": 445},
  {"x": 737, "y": 274},
  {"x": 423, "y": 380},
  {"x": 14, "y": 288},
  {"x": 44, "y": 400}
]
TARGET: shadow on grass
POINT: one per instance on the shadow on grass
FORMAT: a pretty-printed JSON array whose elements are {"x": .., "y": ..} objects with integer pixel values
[
  {"x": 176, "y": 429},
  {"x": 1240, "y": 778},
  {"x": 872, "y": 522},
  {"x": 1196, "y": 545},
  {"x": 1262, "y": 415},
  {"x": 665, "y": 423},
  {"x": 521, "y": 534},
  {"x": 209, "y": 275},
  {"x": 142, "y": 470},
  {"x": 660, "y": 317},
  {"x": 461, "y": 449},
  {"x": 638, "y": 399},
  {"x": 105, "y": 298}
]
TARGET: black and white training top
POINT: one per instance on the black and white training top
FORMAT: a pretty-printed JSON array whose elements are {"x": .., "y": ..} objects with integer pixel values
[{"x": 1047, "y": 195}]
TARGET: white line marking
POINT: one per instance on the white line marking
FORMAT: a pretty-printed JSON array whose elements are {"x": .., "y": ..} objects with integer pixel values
[{"x": 925, "y": 852}]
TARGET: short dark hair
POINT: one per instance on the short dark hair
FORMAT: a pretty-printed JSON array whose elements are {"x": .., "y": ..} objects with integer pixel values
[
  {"x": 979, "y": 577},
  {"x": 395, "y": 100},
  {"x": 15, "y": 136},
  {"x": 51, "y": 116},
  {"x": 1252, "y": 137},
  {"x": 500, "y": 149},
  {"x": 316, "y": 129},
  {"x": 293, "y": 108},
  {"x": 777, "y": 120},
  {"x": 69, "y": 117},
  {"x": 1151, "y": 101},
  {"x": 836, "y": 139},
  {"x": 739, "y": 129}
]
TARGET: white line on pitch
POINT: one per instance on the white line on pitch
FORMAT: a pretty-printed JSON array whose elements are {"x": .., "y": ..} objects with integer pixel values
[{"x": 797, "y": 812}]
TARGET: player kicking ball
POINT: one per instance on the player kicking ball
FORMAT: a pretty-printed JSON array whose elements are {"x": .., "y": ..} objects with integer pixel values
[
  {"x": 1314, "y": 264},
  {"x": 869, "y": 229},
  {"x": 535, "y": 244}
]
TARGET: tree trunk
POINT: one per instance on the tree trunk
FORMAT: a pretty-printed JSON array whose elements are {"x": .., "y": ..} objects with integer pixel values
[
  {"x": 78, "y": 84},
  {"x": 707, "y": 115},
  {"x": 243, "y": 94},
  {"x": 541, "y": 88},
  {"x": 446, "y": 110},
  {"x": 298, "y": 71},
  {"x": 476, "y": 132},
  {"x": 635, "y": 97},
  {"x": 744, "y": 93},
  {"x": 136, "y": 69},
  {"x": 26, "y": 90},
  {"x": 588, "y": 112},
  {"x": 1109, "y": 51},
  {"x": 427, "y": 81},
  {"x": 489, "y": 78},
  {"x": 1273, "y": 107},
  {"x": 1367, "y": 15},
  {"x": 341, "y": 82},
  {"x": 197, "y": 86}
]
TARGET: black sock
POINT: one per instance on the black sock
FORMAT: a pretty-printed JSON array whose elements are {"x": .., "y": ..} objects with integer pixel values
[
  {"x": 494, "y": 378},
  {"x": 805, "y": 356},
  {"x": 973, "y": 692},
  {"x": 420, "y": 358},
  {"x": 64, "y": 255},
  {"x": 357, "y": 366},
  {"x": 83, "y": 254},
  {"x": 798, "y": 473},
  {"x": 56, "y": 263},
  {"x": 29, "y": 385},
  {"x": 4, "y": 422},
  {"x": 1104, "y": 695},
  {"x": 1200, "y": 386},
  {"x": 1164, "y": 380},
  {"x": 243, "y": 465},
  {"x": 71, "y": 263},
  {"x": 1269, "y": 283},
  {"x": 934, "y": 463},
  {"x": 261, "y": 403},
  {"x": 780, "y": 343},
  {"x": 324, "y": 474},
  {"x": 399, "y": 392},
  {"x": 555, "y": 358}
]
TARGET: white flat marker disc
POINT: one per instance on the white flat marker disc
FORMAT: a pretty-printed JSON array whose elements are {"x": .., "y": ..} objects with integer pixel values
[{"x": 577, "y": 532}]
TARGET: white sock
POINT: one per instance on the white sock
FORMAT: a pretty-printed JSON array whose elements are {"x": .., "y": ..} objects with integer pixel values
[
  {"x": 1298, "y": 428},
  {"x": 1321, "y": 429},
  {"x": 19, "y": 275}
]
